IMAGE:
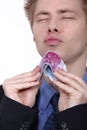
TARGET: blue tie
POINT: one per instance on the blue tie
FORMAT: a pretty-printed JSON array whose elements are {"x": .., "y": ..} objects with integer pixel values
[{"x": 51, "y": 123}]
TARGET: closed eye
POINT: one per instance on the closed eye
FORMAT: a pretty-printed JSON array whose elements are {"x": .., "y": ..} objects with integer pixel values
[
  {"x": 42, "y": 20},
  {"x": 67, "y": 17}
]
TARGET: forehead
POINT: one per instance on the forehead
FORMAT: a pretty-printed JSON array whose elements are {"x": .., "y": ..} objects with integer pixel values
[{"x": 52, "y": 5}]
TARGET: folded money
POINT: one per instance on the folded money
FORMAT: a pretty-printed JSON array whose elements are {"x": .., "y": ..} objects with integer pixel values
[{"x": 51, "y": 62}]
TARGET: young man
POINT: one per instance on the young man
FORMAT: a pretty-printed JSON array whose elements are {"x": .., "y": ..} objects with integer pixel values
[{"x": 59, "y": 26}]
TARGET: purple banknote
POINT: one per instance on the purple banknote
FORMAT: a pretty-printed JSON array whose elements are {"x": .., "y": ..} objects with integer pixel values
[{"x": 49, "y": 63}]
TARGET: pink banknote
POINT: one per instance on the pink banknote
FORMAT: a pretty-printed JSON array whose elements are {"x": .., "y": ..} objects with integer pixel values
[{"x": 51, "y": 62}]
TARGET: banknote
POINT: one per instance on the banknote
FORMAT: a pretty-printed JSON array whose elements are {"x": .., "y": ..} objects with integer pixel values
[{"x": 51, "y": 62}]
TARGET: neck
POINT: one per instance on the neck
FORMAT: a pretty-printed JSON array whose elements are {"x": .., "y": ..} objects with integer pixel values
[{"x": 77, "y": 67}]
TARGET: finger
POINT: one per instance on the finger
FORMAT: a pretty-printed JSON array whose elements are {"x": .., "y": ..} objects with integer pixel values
[
  {"x": 24, "y": 75},
  {"x": 21, "y": 86},
  {"x": 27, "y": 74},
  {"x": 72, "y": 76},
  {"x": 65, "y": 80},
  {"x": 25, "y": 79},
  {"x": 69, "y": 79},
  {"x": 63, "y": 87}
]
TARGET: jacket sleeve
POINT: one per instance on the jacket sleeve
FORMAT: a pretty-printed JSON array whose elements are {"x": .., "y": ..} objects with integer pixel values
[
  {"x": 15, "y": 116},
  {"x": 74, "y": 118}
]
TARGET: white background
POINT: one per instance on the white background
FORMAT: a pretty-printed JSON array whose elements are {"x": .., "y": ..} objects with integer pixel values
[{"x": 18, "y": 52}]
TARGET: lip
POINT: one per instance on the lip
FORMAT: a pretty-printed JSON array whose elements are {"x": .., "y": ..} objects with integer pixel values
[{"x": 52, "y": 41}]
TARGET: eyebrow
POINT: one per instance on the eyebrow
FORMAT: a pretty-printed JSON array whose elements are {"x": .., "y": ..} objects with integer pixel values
[
  {"x": 61, "y": 11},
  {"x": 42, "y": 13}
]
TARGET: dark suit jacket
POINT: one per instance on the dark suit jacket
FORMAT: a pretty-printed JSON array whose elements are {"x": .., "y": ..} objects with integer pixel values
[{"x": 15, "y": 116}]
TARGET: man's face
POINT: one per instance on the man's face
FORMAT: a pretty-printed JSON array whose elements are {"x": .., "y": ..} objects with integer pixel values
[{"x": 60, "y": 26}]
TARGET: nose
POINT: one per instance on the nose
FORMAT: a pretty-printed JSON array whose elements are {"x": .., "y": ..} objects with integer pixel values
[
  {"x": 54, "y": 26},
  {"x": 52, "y": 29}
]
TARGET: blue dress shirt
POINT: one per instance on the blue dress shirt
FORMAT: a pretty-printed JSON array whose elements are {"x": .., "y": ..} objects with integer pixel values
[{"x": 44, "y": 106}]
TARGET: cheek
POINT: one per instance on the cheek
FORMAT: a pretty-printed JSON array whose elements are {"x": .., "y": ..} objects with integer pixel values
[
  {"x": 76, "y": 34},
  {"x": 81, "y": 37},
  {"x": 37, "y": 33}
]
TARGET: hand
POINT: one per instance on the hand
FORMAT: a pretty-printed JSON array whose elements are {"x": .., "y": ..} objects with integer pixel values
[
  {"x": 73, "y": 90},
  {"x": 24, "y": 87}
]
